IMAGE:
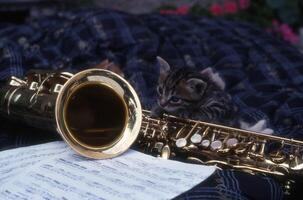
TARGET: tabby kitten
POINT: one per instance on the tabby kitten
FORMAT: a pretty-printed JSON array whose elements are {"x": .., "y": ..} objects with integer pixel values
[{"x": 197, "y": 95}]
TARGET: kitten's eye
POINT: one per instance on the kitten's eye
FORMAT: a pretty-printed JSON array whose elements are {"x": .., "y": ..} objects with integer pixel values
[
  {"x": 175, "y": 100},
  {"x": 160, "y": 90}
]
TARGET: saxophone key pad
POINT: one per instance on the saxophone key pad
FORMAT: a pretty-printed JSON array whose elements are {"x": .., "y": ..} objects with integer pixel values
[
  {"x": 216, "y": 145},
  {"x": 232, "y": 142},
  {"x": 205, "y": 143},
  {"x": 181, "y": 142},
  {"x": 196, "y": 138}
]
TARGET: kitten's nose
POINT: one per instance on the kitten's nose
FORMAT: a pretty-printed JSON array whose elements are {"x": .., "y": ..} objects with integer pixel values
[{"x": 163, "y": 102}]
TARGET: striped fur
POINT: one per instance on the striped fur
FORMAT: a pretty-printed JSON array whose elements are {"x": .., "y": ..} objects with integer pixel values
[
  {"x": 198, "y": 95},
  {"x": 192, "y": 94}
]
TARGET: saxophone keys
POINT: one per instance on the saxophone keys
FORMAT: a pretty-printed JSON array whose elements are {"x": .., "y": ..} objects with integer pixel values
[
  {"x": 256, "y": 156},
  {"x": 16, "y": 81},
  {"x": 223, "y": 151},
  {"x": 205, "y": 144},
  {"x": 34, "y": 85},
  {"x": 196, "y": 138},
  {"x": 277, "y": 157},
  {"x": 232, "y": 142},
  {"x": 216, "y": 145},
  {"x": 181, "y": 142},
  {"x": 240, "y": 150},
  {"x": 57, "y": 88},
  {"x": 165, "y": 152},
  {"x": 243, "y": 147},
  {"x": 159, "y": 146},
  {"x": 293, "y": 161}
]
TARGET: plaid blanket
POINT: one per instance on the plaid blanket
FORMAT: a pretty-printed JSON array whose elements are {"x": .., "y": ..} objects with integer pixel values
[{"x": 263, "y": 74}]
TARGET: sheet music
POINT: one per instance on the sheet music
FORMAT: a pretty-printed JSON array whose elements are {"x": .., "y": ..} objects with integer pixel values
[
  {"x": 54, "y": 171},
  {"x": 12, "y": 162}
]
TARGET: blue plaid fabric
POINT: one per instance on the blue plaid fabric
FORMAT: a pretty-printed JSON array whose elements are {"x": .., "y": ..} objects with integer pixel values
[{"x": 263, "y": 74}]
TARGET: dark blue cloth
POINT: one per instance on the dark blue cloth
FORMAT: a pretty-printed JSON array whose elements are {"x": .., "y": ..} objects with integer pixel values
[{"x": 264, "y": 75}]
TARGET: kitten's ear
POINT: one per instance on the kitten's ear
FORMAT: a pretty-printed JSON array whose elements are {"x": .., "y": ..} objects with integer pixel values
[
  {"x": 215, "y": 77},
  {"x": 115, "y": 68},
  {"x": 164, "y": 66},
  {"x": 106, "y": 64},
  {"x": 102, "y": 65},
  {"x": 196, "y": 85}
]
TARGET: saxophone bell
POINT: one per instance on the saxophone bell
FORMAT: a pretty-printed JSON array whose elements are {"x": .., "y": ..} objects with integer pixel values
[{"x": 97, "y": 113}]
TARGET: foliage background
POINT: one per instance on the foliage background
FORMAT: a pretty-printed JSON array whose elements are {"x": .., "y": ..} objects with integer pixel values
[{"x": 283, "y": 18}]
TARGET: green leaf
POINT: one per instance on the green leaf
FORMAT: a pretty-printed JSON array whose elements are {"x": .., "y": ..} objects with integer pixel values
[
  {"x": 167, "y": 7},
  {"x": 275, "y": 3},
  {"x": 198, "y": 10},
  {"x": 289, "y": 14}
]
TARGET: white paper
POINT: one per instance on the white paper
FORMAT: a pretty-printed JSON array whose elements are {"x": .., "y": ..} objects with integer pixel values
[{"x": 54, "y": 171}]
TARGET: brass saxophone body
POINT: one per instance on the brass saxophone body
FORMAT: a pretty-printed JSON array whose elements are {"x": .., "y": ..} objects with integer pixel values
[
  {"x": 225, "y": 147},
  {"x": 96, "y": 112},
  {"x": 99, "y": 115}
]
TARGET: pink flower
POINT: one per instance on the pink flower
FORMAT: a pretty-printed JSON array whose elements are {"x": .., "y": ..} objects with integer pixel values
[
  {"x": 275, "y": 22},
  {"x": 288, "y": 34},
  {"x": 269, "y": 30},
  {"x": 167, "y": 12},
  {"x": 294, "y": 39},
  {"x": 182, "y": 10},
  {"x": 285, "y": 32},
  {"x": 291, "y": 37},
  {"x": 230, "y": 7},
  {"x": 244, "y": 4},
  {"x": 216, "y": 9},
  {"x": 284, "y": 28},
  {"x": 163, "y": 12}
]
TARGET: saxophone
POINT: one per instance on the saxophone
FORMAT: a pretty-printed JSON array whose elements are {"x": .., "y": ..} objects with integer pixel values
[{"x": 98, "y": 114}]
